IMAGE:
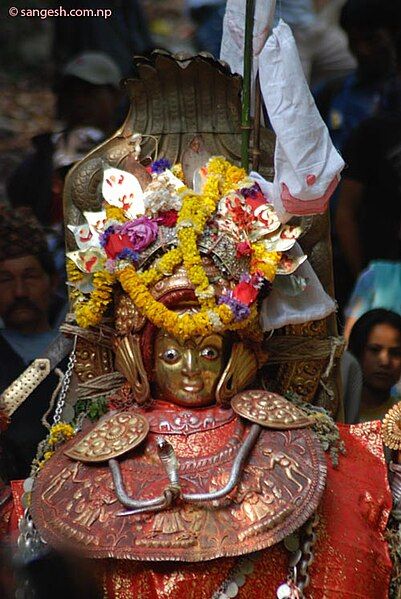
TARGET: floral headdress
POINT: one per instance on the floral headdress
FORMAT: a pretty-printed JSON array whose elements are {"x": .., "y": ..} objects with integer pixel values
[{"x": 141, "y": 236}]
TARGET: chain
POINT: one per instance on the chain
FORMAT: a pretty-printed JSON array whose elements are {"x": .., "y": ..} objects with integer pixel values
[
  {"x": 236, "y": 577},
  {"x": 65, "y": 384},
  {"x": 299, "y": 579},
  {"x": 30, "y": 543},
  {"x": 30, "y": 547},
  {"x": 307, "y": 553}
]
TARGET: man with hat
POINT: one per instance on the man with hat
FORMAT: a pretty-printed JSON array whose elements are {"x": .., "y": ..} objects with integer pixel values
[
  {"x": 28, "y": 308},
  {"x": 87, "y": 102}
]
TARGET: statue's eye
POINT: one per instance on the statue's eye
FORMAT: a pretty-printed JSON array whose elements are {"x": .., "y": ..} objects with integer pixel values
[
  {"x": 171, "y": 355},
  {"x": 210, "y": 353}
]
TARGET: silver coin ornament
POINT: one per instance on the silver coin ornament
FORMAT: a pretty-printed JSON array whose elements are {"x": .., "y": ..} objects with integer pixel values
[
  {"x": 28, "y": 484},
  {"x": 292, "y": 542},
  {"x": 295, "y": 558},
  {"x": 284, "y": 591},
  {"x": 232, "y": 590}
]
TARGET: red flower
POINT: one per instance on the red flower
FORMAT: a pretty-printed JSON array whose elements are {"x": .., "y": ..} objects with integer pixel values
[
  {"x": 240, "y": 216},
  {"x": 244, "y": 248},
  {"x": 116, "y": 243},
  {"x": 245, "y": 293},
  {"x": 255, "y": 202},
  {"x": 167, "y": 218}
]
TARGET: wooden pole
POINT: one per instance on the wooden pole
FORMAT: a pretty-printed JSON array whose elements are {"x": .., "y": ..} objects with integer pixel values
[{"x": 246, "y": 86}]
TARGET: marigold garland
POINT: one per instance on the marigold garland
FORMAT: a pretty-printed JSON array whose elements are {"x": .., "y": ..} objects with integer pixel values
[
  {"x": 74, "y": 275},
  {"x": 58, "y": 434},
  {"x": 181, "y": 326},
  {"x": 222, "y": 177},
  {"x": 264, "y": 262},
  {"x": 163, "y": 267},
  {"x": 89, "y": 313}
]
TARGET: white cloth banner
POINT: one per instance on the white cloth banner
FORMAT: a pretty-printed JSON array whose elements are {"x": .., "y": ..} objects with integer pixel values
[
  {"x": 232, "y": 44},
  {"x": 313, "y": 303},
  {"x": 307, "y": 165}
]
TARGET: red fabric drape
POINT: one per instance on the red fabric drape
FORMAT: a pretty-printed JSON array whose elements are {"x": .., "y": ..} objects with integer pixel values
[{"x": 351, "y": 555}]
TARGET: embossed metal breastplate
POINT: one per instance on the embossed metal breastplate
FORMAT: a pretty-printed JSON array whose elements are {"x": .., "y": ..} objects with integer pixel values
[{"x": 74, "y": 504}]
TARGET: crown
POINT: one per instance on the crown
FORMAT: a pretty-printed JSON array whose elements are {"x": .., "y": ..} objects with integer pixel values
[{"x": 221, "y": 238}]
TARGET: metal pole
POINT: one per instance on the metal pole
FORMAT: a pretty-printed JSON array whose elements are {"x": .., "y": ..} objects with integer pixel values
[{"x": 246, "y": 88}]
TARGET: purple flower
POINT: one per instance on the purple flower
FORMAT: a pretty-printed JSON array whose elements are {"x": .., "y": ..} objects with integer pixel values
[
  {"x": 159, "y": 166},
  {"x": 128, "y": 254},
  {"x": 141, "y": 232},
  {"x": 240, "y": 310},
  {"x": 104, "y": 237},
  {"x": 251, "y": 192}
]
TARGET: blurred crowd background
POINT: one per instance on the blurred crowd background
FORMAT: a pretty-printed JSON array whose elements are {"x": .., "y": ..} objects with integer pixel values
[{"x": 59, "y": 97}]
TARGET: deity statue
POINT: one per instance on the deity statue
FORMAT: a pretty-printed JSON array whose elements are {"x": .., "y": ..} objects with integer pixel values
[
  {"x": 177, "y": 468},
  {"x": 197, "y": 479}
]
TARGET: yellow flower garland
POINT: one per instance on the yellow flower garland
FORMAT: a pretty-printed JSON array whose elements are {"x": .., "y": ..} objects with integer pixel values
[
  {"x": 59, "y": 434},
  {"x": 264, "y": 261},
  {"x": 89, "y": 313},
  {"x": 163, "y": 267},
  {"x": 222, "y": 177},
  {"x": 181, "y": 326}
]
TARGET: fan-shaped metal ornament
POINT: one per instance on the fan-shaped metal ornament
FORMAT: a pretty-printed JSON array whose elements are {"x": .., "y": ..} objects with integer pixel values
[
  {"x": 391, "y": 428},
  {"x": 269, "y": 410},
  {"x": 111, "y": 438}
]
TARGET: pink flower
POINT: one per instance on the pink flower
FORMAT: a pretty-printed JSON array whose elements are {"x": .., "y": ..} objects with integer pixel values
[
  {"x": 244, "y": 248},
  {"x": 141, "y": 232}
]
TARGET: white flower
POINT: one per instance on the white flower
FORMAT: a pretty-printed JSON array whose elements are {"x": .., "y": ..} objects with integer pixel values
[{"x": 123, "y": 190}]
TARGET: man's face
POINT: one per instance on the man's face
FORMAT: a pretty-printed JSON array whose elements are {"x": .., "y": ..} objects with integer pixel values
[
  {"x": 25, "y": 294},
  {"x": 374, "y": 52},
  {"x": 381, "y": 360}
]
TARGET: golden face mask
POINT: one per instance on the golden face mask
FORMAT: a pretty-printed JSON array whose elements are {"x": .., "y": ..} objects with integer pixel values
[{"x": 187, "y": 372}]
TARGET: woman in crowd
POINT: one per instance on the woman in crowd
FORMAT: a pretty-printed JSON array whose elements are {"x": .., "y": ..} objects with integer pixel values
[{"x": 375, "y": 341}]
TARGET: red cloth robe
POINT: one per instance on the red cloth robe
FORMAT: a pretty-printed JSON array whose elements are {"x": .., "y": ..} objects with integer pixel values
[{"x": 351, "y": 554}]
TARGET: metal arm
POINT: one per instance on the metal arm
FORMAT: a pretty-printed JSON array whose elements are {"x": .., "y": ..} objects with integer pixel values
[{"x": 168, "y": 458}]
